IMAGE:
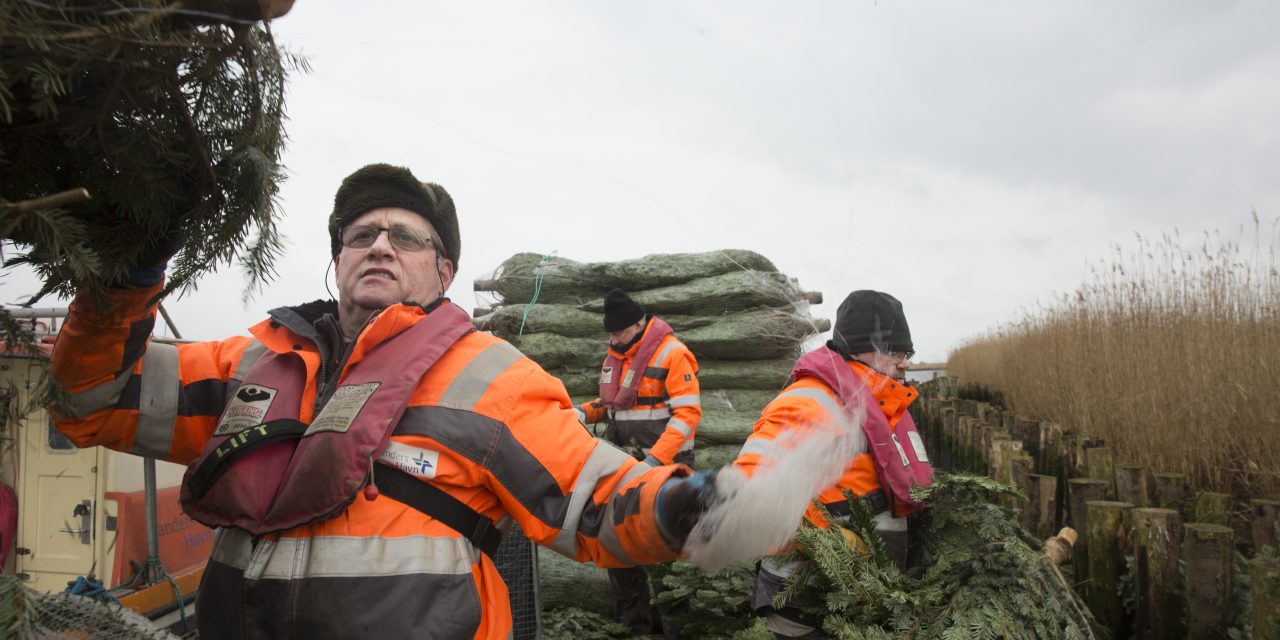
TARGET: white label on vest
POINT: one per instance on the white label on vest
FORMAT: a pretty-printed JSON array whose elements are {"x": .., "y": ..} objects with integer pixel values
[
  {"x": 902, "y": 453},
  {"x": 411, "y": 460},
  {"x": 342, "y": 408},
  {"x": 606, "y": 375},
  {"x": 917, "y": 443},
  {"x": 247, "y": 409},
  {"x": 631, "y": 375}
]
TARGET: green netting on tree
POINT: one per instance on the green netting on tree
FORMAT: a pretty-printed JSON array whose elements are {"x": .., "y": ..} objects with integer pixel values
[
  {"x": 28, "y": 615},
  {"x": 559, "y": 280},
  {"x": 171, "y": 120}
]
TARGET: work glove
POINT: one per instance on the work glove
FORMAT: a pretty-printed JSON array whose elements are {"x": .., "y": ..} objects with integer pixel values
[
  {"x": 681, "y": 502},
  {"x": 148, "y": 269},
  {"x": 853, "y": 541}
]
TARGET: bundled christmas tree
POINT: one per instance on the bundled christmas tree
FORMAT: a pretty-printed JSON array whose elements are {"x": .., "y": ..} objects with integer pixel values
[{"x": 134, "y": 128}]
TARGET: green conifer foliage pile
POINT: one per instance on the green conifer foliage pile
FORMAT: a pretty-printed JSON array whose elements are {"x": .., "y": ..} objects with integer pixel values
[
  {"x": 169, "y": 118},
  {"x": 977, "y": 574}
]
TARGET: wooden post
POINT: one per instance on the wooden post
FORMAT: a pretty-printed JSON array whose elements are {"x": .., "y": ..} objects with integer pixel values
[
  {"x": 1044, "y": 495},
  {"x": 1157, "y": 542},
  {"x": 1212, "y": 508},
  {"x": 1264, "y": 575},
  {"x": 1108, "y": 528},
  {"x": 1265, "y": 514},
  {"x": 1098, "y": 464},
  {"x": 1210, "y": 563},
  {"x": 1131, "y": 484},
  {"x": 996, "y": 446},
  {"x": 1173, "y": 492},
  {"x": 1067, "y": 456},
  {"x": 1082, "y": 491},
  {"x": 1020, "y": 476}
]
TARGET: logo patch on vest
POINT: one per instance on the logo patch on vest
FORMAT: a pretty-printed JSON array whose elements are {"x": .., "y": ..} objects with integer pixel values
[
  {"x": 411, "y": 460},
  {"x": 606, "y": 375},
  {"x": 340, "y": 412},
  {"x": 247, "y": 409}
]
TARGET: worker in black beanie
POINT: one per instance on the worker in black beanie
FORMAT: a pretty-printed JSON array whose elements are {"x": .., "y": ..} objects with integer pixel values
[
  {"x": 651, "y": 402},
  {"x": 859, "y": 374}
]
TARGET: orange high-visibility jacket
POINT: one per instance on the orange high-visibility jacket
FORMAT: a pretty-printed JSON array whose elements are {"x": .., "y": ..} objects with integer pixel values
[
  {"x": 809, "y": 401},
  {"x": 509, "y": 444},
  {"x": 668, "y": 406}
]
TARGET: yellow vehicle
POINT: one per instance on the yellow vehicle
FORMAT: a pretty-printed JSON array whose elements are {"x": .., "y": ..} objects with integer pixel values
[{"x": 85, "y": 512}]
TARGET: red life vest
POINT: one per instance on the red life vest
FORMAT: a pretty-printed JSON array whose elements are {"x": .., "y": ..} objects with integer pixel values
[
  {"x": 898, "y": 454},
  {"x": 287, "y": 473},
  {"x": 621, "y": 394}
]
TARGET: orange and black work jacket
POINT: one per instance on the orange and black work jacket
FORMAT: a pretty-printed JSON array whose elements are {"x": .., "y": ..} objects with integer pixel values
[
  {"x": 809, "y": 401},
  {"x": 668, "y": 407},
  {"x": 503, "y": 434}
]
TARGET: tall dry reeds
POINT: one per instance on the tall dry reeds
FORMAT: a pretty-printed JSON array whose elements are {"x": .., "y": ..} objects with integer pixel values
[{"x": 1171, "y": 355}]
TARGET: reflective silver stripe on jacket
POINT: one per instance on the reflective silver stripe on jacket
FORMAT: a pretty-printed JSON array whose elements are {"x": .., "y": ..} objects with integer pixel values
[
  {"x": 608, "y": 536},
  {"x": 680, "y": 425},
  {"x": 824, "y": 399},
  {"x": 691, "y": 400},
  {"x": 642, "y": 414},
  {"x": 604, "y": 460},
  {"x": 662, "y": 355},
  {"x": 343, "y": 556},
  {"x": 248, "y": 358},
  {"x": 473, "y": 381},
  {"x": 96, "y": 398},
  {"x": 158, "y": 401}
]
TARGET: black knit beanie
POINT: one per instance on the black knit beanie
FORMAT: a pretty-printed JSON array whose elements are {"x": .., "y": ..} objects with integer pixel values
[
  {"x": 376, "y": 186},
  {"x": 870, "y": 321},
  {"x": 620, "y": 311}
]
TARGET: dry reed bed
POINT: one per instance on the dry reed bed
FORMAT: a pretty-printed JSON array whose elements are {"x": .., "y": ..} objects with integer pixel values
[{"x": 1171, "y": 355}]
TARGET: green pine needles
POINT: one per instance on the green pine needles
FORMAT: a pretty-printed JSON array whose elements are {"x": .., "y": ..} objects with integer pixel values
[
  {"x": 172, "y": 123},
  {"x": 976, "y": 575}
]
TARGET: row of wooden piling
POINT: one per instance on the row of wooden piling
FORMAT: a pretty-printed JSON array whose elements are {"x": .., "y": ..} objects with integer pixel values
[{"x": 1178, "y": 545}]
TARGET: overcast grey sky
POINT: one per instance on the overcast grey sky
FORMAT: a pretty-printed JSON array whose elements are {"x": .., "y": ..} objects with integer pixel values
[{"x": 970, "y": 158}]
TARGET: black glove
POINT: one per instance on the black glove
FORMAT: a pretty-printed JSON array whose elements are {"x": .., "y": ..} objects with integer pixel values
[
  {"x": 149, "y": 268},
  {"x": 681, "y": 502}
]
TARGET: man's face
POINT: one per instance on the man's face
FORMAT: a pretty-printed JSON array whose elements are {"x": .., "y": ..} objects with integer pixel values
[
  {"x": 381, "y": 274},
  {"x": 625, "y": 335}
]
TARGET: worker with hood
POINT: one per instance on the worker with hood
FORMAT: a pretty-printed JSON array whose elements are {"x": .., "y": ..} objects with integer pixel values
[{"x": 861, "y": 371}]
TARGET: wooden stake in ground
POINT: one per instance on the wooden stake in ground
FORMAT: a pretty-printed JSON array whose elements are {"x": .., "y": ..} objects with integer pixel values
[
  {"x": 1108, "y": 528},
  {"x": 1210, "y": 572},
  {"x": 1157, "y": 541}
]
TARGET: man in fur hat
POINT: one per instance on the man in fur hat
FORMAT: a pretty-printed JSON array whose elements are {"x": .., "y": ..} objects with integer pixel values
[{"x": 362, "y": 457}]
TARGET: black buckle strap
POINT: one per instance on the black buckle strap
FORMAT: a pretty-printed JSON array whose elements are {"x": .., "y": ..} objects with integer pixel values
[
  {"x": 220, "y": 460},
  {"x": 438, "y": 504},
  {"x": 877, "y": 499}
]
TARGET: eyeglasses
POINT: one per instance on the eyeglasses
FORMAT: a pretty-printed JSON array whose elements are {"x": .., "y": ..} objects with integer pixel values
[
  {"x": 901, "y": 356},
  {"x": 362, "y": 236}
]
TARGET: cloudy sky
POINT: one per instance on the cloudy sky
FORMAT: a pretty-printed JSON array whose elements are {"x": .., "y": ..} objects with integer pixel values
[{"x": 970, "y": 158}]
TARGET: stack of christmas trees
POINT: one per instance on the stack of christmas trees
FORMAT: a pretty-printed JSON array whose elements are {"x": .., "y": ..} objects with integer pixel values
[{"x": 743, "y": 320}]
